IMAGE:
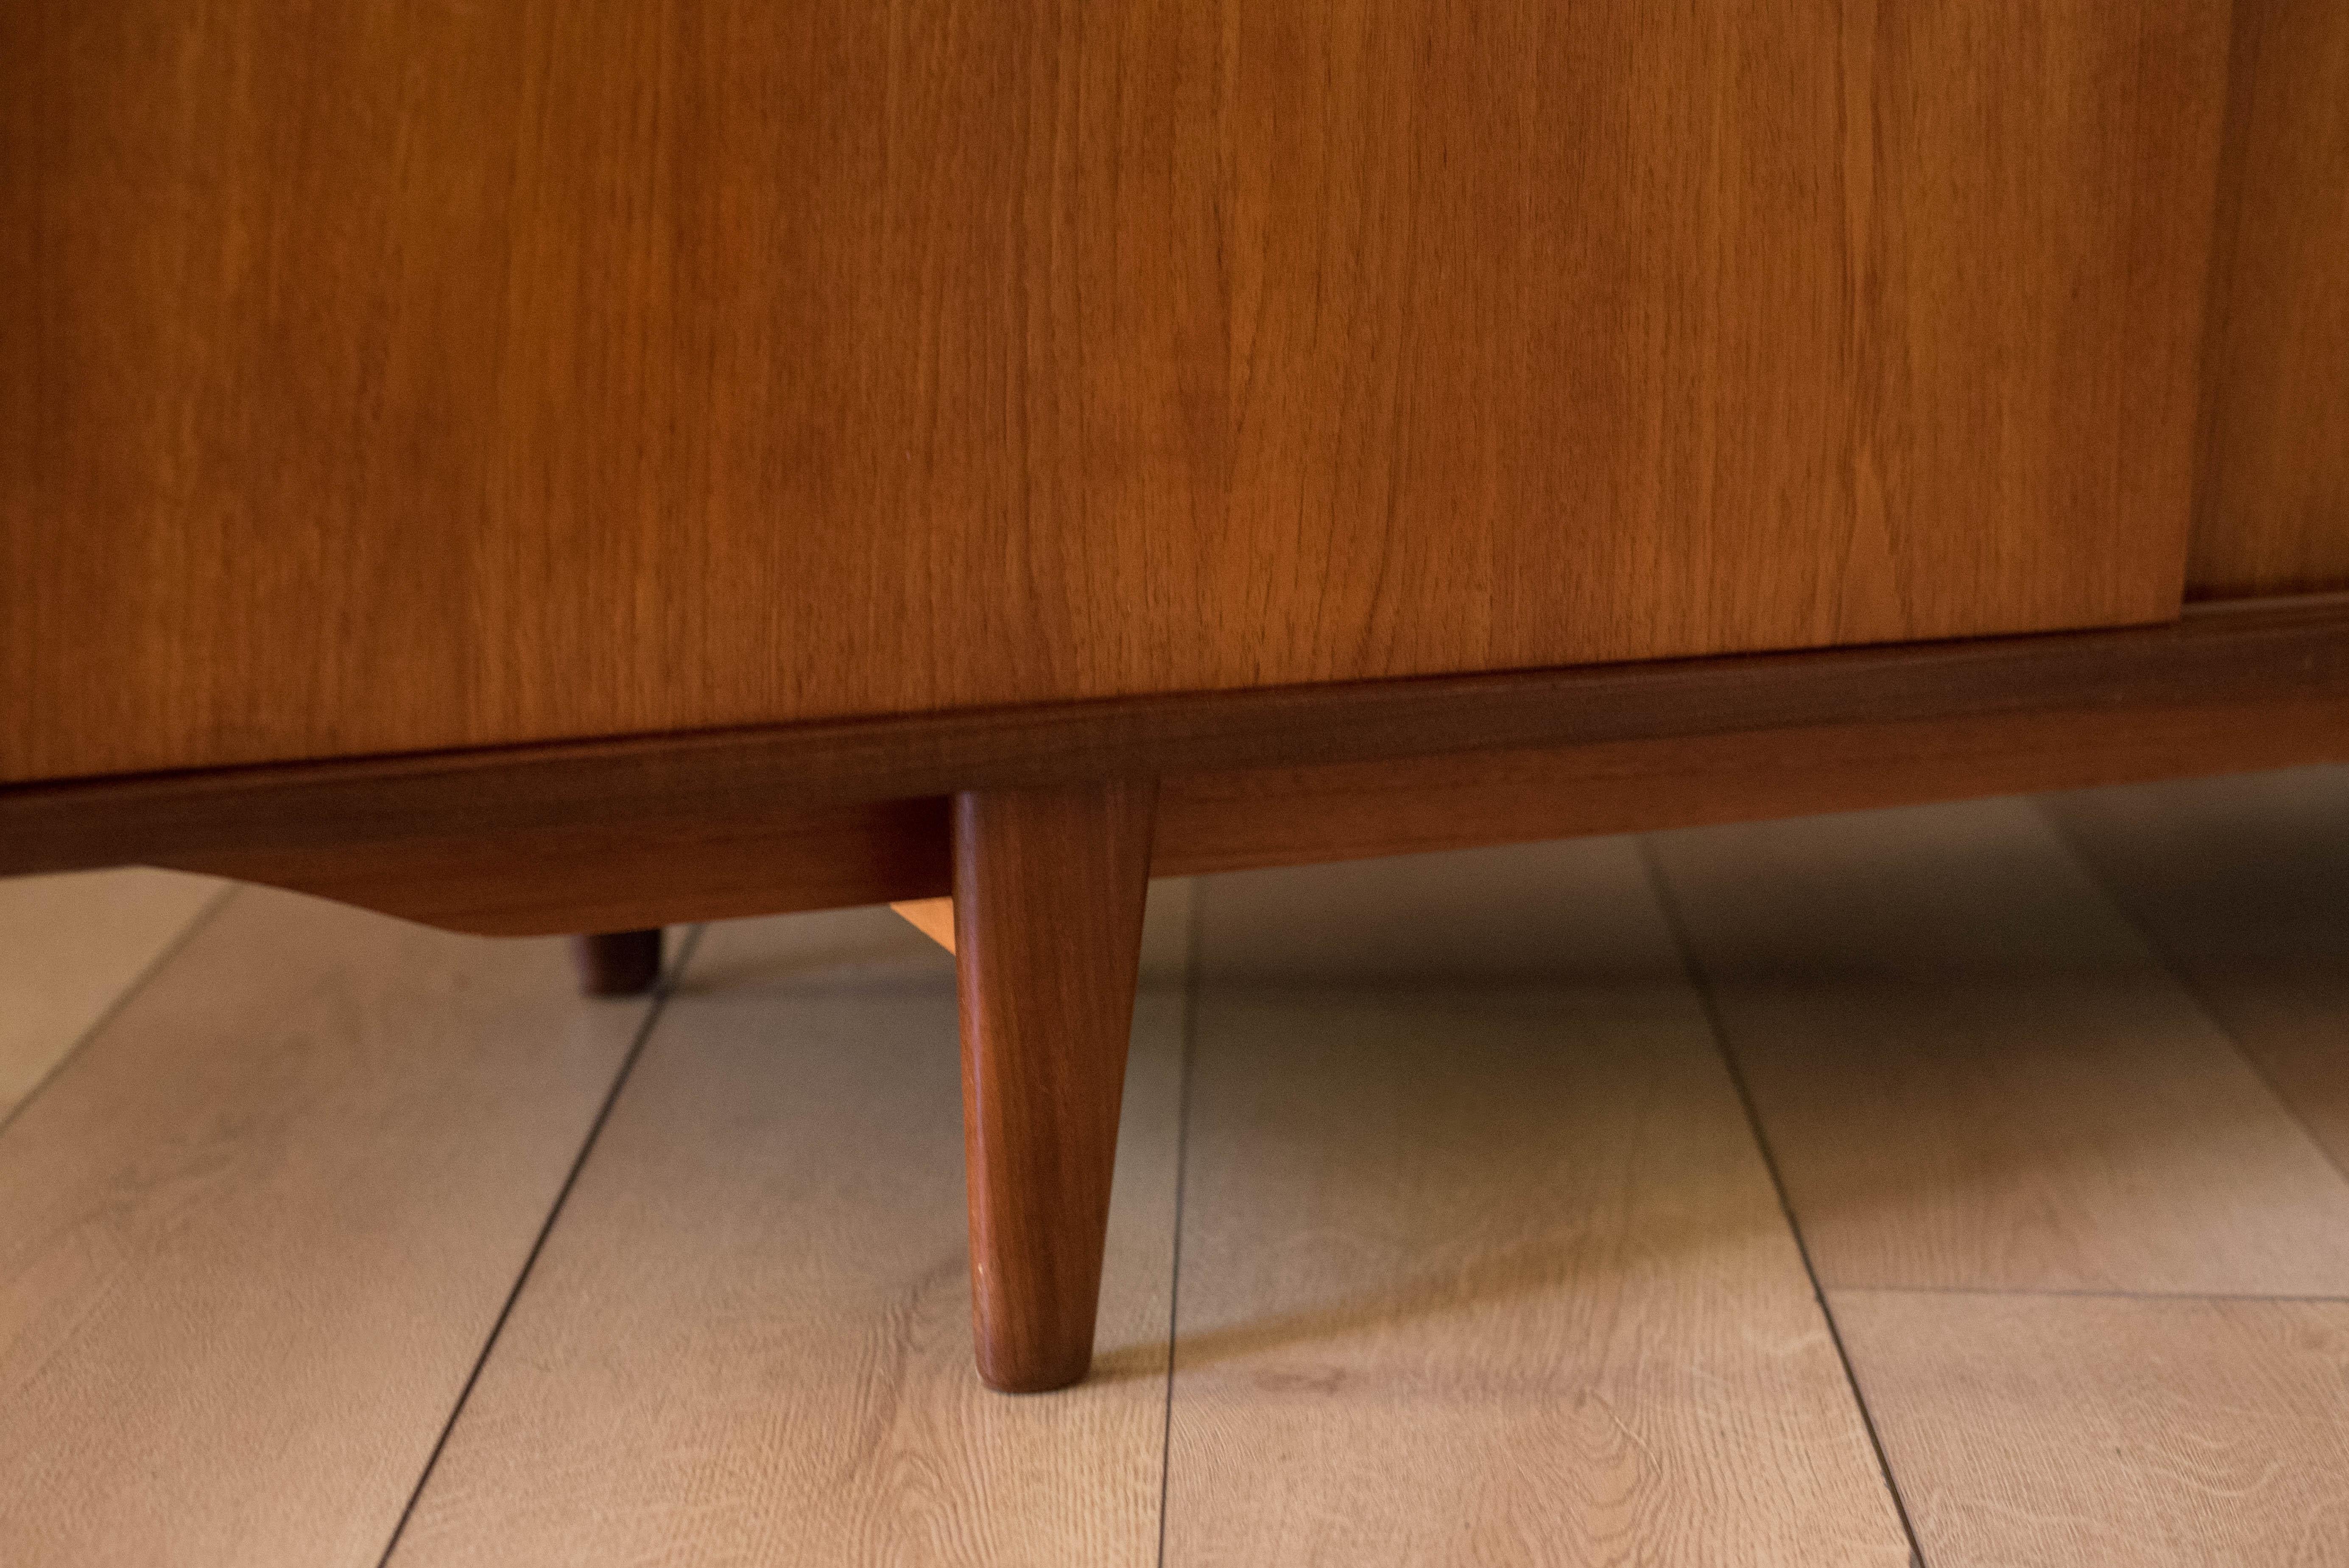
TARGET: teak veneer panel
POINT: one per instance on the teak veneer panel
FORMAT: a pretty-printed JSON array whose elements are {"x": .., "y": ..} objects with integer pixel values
[
  {"x": 2273, "y": 512},
  {"x": 391, "y": 379}
]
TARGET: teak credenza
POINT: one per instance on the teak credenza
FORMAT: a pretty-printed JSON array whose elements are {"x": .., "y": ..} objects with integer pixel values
[{"x": 577, "y": 467}]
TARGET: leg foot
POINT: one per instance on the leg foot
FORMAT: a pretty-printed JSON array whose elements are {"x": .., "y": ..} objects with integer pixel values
[
  {"x": 617, "y": 963},
  {"x": 1048, "y": 887}
]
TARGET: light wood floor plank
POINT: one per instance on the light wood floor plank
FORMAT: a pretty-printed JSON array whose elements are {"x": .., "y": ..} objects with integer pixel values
[
  {"x": 71, "y": 945},
  {"x": 1488, "y": 1273},
  {"x": 2244, "y": 885},
  {"x": 2104, "y": 1432},
  {"x": 1974, "y": 1074},
  {"x": 747, "y": 1339},
  {"x": 257, "y": 1232}
]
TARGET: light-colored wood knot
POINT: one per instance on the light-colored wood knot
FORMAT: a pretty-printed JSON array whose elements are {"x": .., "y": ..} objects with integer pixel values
[{"x": 932, "y": 917}]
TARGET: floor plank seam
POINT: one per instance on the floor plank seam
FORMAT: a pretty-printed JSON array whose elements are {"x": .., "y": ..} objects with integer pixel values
[
  {"x": 1191, "y": 924},
  {"x": 2083, "y": 1295},
  {"x": 2195, "y": 994},
  {"x": 660, "y": 998},
  {"x": 154, "y": 967},
  {"x": 1703, "y": 987}
]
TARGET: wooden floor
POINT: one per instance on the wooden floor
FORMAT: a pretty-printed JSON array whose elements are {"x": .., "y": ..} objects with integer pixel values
[{"x": 1961, "y": 1185}]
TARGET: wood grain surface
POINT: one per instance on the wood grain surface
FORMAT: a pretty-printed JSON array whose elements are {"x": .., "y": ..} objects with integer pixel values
[
  {"x": 400, "y": 379},
  {"x": 1484, "y": 1266},
  {"x": 2243, "y": 886},
  {"x": 1049, "y": 892},
  {"x": 2272, "y": 513},
  {"x": 623, "y": 873},
  {"x": 748, "y": 1340},
  {"x": 620, "y": 835},
  {"x": 75, "y": 946},
  {"x": 2103, "y": 1432},
  {"x": 258, "y": 1231},
  {"x": 1974, "y": 1074},
  {"x": 678, "y": 870},
  {"x": 1289, "y": 816}
]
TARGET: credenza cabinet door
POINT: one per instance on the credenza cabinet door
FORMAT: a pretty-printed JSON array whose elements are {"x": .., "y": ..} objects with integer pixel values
[
  {"x": 393, "y": 376},
  {"x": 2272, "y": 513}
]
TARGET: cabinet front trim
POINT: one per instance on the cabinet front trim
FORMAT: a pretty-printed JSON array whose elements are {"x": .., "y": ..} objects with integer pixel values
[{"x": 633, "y": 832}]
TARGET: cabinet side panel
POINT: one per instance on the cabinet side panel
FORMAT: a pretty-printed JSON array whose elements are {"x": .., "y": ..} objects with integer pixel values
[
  {"x": 385, "y": 378},
  {"x": 2272, "y": 508}
]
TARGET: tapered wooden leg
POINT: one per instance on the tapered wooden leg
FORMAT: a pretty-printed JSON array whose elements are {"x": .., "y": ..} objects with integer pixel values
[
  {"x": 617, "y": 963},
  {"x": 1048, "y": 887}
]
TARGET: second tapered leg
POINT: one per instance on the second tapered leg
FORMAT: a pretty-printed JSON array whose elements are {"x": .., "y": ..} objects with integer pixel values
[
  {"x": 1048, "y": 888},
  {"x": 617, "y": 963}
]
